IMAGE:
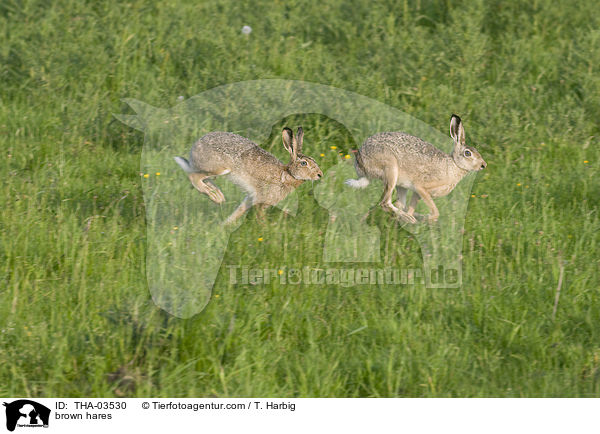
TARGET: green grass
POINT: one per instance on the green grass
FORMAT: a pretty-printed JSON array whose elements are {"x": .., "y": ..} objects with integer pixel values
[{"x": 76, "y": 315}]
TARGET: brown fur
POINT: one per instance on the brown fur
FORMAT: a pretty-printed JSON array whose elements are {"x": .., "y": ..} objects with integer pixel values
[
  {"x": 266, "y": 179},
  {"x": 404, "y": 162}
]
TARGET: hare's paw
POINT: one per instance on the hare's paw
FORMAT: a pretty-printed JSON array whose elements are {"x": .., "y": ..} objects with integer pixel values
[
  {"x": 432, "y": 218},
  {"x": 404, "y": 216},
  {"x": 400, "y": 205},
  {"x": 213, "y": 192},
  {"x": 216, "y": 196}
]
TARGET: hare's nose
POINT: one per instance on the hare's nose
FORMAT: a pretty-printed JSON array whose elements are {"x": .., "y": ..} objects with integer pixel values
[
  {"x": 484, "y": 165},
  {"x": 319, "y": 175}
]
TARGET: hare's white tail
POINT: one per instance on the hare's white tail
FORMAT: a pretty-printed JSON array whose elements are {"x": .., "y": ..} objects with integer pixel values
[
  {"x": 184, "y": 164},
  {"x": 357, "y": 183}
]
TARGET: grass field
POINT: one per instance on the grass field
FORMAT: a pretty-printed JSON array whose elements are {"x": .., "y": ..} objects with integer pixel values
[{"x": 76, "y": 315}]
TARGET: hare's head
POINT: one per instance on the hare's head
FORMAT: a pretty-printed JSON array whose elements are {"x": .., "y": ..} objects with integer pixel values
[
  {"x": 465, "y": 157},
  {"x": 301, "y": 166}
]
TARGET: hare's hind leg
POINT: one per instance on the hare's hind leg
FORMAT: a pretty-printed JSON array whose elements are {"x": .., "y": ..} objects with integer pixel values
[
  {"x": 204, "y": 185},
  {"x": 197, "y": 177},
  {"x": 390, "y": 178}
]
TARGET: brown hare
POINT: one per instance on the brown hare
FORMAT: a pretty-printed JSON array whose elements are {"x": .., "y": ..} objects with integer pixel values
[
  {"x": 266, "y": 179},
  {"x": 406, "y": 162}
]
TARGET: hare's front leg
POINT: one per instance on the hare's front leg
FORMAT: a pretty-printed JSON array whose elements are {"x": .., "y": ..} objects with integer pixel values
[
  {"x": 390, "y": 179},
  {"x": 414, "y": 199},
  {"x": 240, "y": 210},
  {"x": 261, "y": 212},
  {"x": 401, "y": 197},
  {"x": 433, "y": 211},
  {"x": 413, "y": 203}
]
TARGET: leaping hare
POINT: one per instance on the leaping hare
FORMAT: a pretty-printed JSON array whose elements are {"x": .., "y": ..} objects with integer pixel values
[
  {"x": 266, "y": 179},
  {"x": 409, "y": 163}
]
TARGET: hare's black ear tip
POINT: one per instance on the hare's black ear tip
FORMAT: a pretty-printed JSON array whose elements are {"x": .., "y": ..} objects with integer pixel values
[
  {"x": 287, "y": 130},
  {"x": 457, "y": 117}
]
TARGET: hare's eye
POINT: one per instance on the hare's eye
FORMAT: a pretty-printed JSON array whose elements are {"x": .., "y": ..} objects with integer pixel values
[
  {"x": 303, "y": 163},
  {"x": 467, "y": 153}
]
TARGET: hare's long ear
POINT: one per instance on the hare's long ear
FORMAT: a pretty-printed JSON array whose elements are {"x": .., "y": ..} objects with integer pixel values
[
  {"x": 289, "y": 143},
  {"x": 299, "y": 139},
  {"x": 457, "y": 132}
]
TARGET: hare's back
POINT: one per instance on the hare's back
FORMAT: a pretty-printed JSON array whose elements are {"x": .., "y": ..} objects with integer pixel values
[
  {"x": 401, "y": 145},
  {"x": 228, "y": 149},
  {"x": 224, "y": 143}
]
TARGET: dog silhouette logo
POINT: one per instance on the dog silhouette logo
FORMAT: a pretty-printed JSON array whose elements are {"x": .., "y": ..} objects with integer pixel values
[
  {"x": 26, "y": 413},
  {"x": 187, "y": 239}
]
